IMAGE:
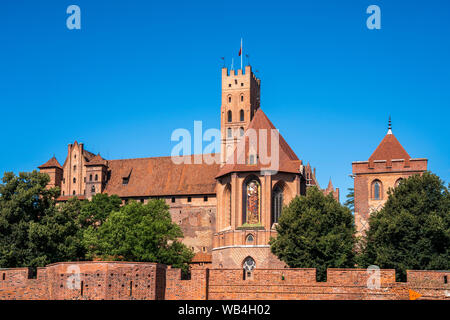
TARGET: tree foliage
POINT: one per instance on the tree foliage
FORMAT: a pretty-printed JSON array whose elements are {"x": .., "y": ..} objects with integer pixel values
[
  {"x": 350, "y": 202},
  {"x": 33, "y": 231},
  {"x": 139, "y": 232},
  {"x": 94, "y": 212},
  {"x": 315, "y": 231},
  {"x": 412, "y": 230}
]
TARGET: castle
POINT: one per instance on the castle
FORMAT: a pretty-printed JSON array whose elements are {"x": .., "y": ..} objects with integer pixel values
[
  {"x": 228, "y": 210},
  {"x": 211, "y": 202}
]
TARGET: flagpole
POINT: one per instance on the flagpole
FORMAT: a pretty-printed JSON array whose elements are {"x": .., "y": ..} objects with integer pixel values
[{"x": 242, "y": 53}]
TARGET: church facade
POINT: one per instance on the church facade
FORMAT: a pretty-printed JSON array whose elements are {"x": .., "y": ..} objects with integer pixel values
[{"x": 227, "y": 210}]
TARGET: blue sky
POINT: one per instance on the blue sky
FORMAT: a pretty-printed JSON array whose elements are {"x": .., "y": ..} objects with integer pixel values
[{"x": 137, "y": 70}]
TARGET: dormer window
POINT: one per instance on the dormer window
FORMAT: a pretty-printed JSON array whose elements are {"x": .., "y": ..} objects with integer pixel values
[{"x": 125, "y": 180}]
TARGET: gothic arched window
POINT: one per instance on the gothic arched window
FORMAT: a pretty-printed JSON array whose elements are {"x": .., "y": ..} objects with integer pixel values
[
  {"x": 277, "y": 203},
  {"x": 93, "y": 189},
  {"x": 249, "y": 239},
  {"x": 227, "y": 207},
  {"x": 376, "y": 190},
  {"x": 398, "y": 182},
  {"x": 241, "y": 131},
  {"x": 230, "y": 116},
  {"x": 229, "y": 133},
  {"x": 241, "y": 115},
  {"x": 96, "y": 177},
  {"x": 252, "y": 202}
]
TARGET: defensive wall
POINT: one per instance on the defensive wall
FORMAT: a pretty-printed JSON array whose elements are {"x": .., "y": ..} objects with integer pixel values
[{"x": 152, "y": 281}]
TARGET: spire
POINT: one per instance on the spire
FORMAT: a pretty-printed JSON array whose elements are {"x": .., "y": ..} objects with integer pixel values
[
  {"x": 330, "y": 185},
  {"x": 389, "y": 126}
]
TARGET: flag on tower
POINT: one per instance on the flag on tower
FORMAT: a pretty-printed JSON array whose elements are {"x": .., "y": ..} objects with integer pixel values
[{"x": 240, "y": 52}]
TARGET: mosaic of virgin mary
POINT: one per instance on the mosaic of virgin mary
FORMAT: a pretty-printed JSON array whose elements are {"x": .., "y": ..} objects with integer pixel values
[{"x": 253, "y": 202}]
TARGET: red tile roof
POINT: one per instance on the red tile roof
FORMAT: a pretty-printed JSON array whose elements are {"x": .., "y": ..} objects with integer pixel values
[
  {"x": 389, "y": 149},
  {"x": 202, "y": 257},
  {"x": 65, "y": 198},
  {"x": 160, "y": 176},
  {"x": 52, "y": 163},
  {"x": 97, "y": 161},
  {"x": 288, "y": 161}
]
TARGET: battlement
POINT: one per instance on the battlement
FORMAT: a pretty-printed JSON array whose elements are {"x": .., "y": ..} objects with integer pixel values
[
  {"x": 394, "y": 165},
  {"x": 239, "y": 73},
  {"x": 96, "y": 280},
  {"x": 301, "y": 284}
]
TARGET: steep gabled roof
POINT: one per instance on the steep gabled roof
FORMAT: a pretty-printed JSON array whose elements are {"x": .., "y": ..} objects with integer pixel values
[
  {"x": 389, "y": 149},
  {"x": 239, "y": 159},
  {"x": 52, "y": 163}
]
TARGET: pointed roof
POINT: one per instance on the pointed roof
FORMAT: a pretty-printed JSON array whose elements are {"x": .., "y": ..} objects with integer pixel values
[
  {"x": 239, "y": 160},
  {"x": 330, "y": 185},
  {"x": 389, "y": 149},
  {"x": 52, "y": 163}
]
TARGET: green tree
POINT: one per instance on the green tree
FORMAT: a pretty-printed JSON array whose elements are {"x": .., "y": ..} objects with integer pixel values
[
  {"x": 95, "y": 211},
  {"x": 33, "y": 231},
  {"x": 57, "y": 236},
  {"x": 315, "y": 231},
  {"x": 139, "y": 232},
  {"x": 412, "y": 230},
  {"x": 350, "y": 202}
]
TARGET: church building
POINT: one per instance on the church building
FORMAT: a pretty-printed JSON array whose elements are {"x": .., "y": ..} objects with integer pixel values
[{"x": 227, "y": 210}]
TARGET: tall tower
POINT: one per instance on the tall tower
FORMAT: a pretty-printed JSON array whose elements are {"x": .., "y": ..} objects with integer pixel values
[
  {"x": 240, "y": 100},
  {"x": 386, "y": 167}
]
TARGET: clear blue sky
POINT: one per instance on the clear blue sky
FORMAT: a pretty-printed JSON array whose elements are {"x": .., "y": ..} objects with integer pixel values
[{"x": 137, "y": 70}]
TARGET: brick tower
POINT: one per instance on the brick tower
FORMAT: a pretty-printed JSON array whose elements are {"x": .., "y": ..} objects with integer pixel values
[
  {"x": 386, "y": 167},
  {"x": 240, "y": 100}
]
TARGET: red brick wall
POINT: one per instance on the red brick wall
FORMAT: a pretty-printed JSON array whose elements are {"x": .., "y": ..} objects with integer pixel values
[
  {"x": 300, "y": 284},
  {"x": 86, "y": 281},
  {"x": 151, "y": 281}
]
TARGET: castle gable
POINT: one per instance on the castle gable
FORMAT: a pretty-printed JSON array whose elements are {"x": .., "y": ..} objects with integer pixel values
[{"x": 245, "y": 149}]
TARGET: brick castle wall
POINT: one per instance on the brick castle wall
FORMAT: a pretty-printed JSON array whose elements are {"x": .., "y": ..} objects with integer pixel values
[
  {"x": 151, "y": 281},
  {"x": 86, "y": 281},
  {"x": 301, "y": 284}
]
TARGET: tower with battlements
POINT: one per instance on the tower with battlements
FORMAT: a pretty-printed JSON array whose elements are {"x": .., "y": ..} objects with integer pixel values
[{"x": 240, "y": 100}]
